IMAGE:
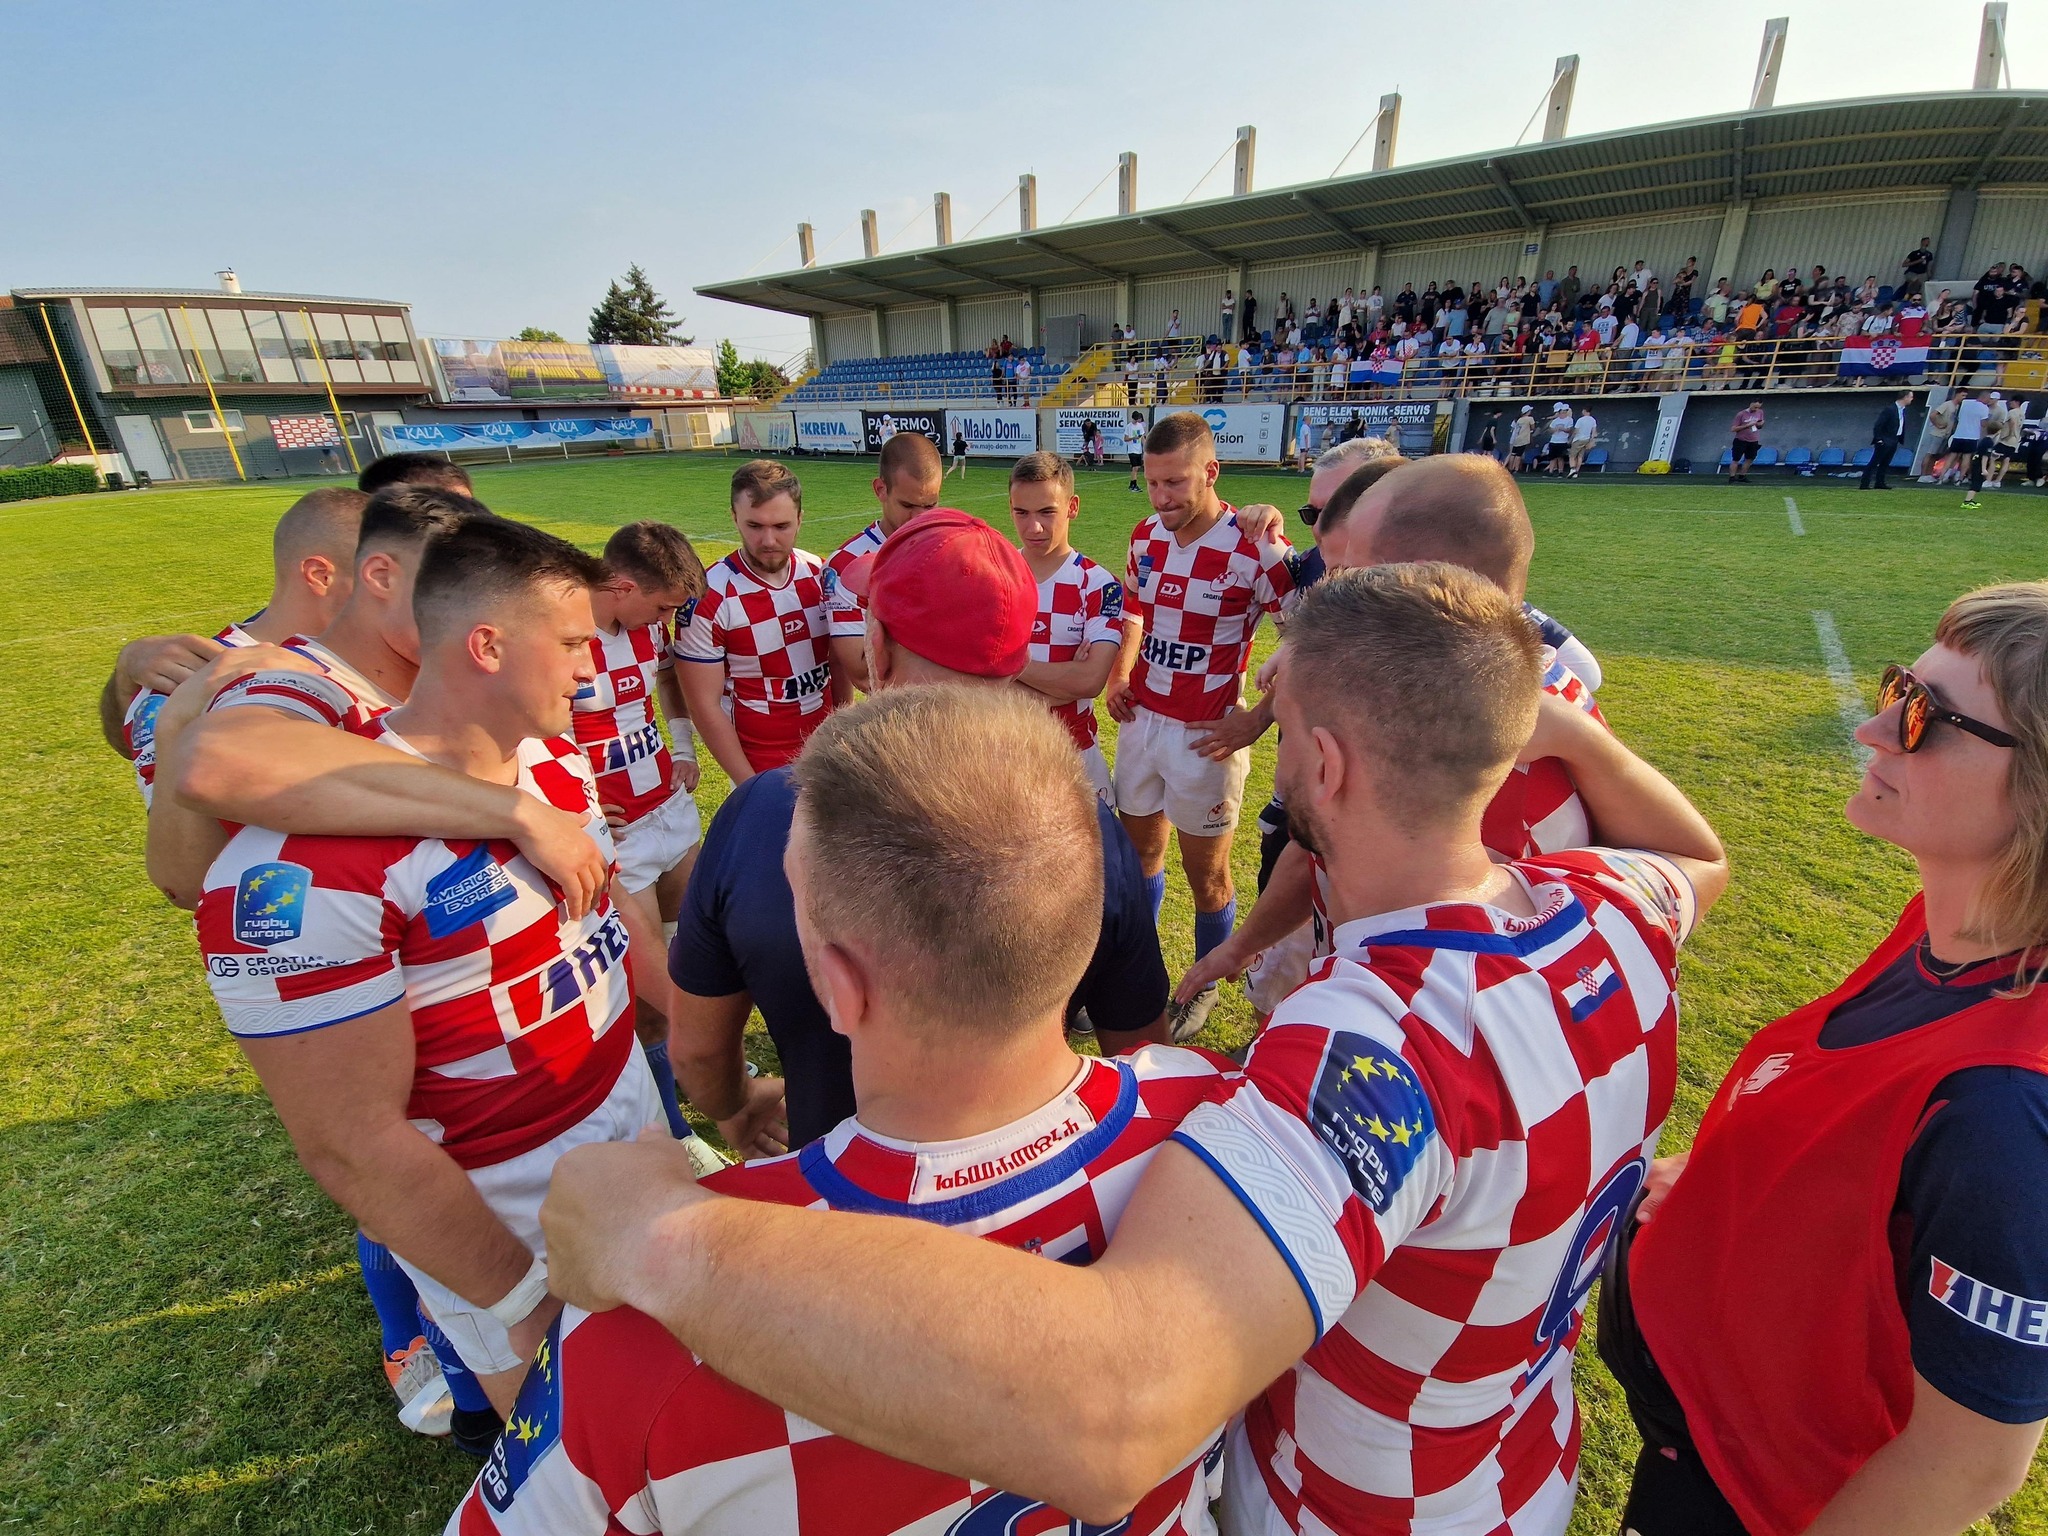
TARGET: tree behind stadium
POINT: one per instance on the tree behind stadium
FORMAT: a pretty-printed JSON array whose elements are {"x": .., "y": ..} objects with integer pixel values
[{"x": 635, "y": 315}]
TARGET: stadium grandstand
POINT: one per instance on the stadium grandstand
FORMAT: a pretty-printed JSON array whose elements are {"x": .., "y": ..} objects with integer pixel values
[{"x": 1802, "y": 253}]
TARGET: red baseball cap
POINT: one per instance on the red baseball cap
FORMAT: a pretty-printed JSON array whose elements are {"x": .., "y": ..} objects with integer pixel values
[{"x": 954, "y": 591}]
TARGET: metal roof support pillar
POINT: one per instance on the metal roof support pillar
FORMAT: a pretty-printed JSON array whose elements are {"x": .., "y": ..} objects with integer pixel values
[
  {"x": 1247, "y": 147},
  {"x": 1763, "y": 91},
  {"x": 1990, "y": 48},
  {"x": 1027, "y": 204},
  {"x": 1557, "y": 116},
  {"x": 1034, "y": 323},
  {"x": 942, "y": 217},
  {"x": 806, "y": 246},
  {"x": 818, "y": 358},
  {"x": 1532, "y": 252},
  {"x": 1368, "y": 270},
  {"x": 1127, "y": 300},
  {"x": 1728, "y": 248},
  {"x": 878, "y": 331},
  {"x": 1386, "y": 129},
  {"x": 949, "y": 325},
  {"x": 1127, "y": 183},
  {"x": 1957, "y": 220},
  {"x": 870, "y": 237}
]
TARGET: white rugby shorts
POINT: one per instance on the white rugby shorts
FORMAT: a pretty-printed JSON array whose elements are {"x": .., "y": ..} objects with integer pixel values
[
  {"x": 1097, "y": 768},
  {"x": 655, "y": 844},
  {"x": 514, "y": 1190},
  {"x": 1277, "y": 971},
  {"x": 1158, "y": 769}
]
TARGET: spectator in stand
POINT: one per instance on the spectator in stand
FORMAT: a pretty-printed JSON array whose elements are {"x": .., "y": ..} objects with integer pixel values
[
  {"x": 1683, "y": 284},
  {"x": 1228, "y": 332},
  {"x": 1885, "y": 436},
  {"x": 1021, "y": 393},
  {"x": 1173, "y": 326},
  {"x": 1719, "y": 304},
  {"x": 1546, "y": 289},
  {"x": 1569, "y": 287},
  {"x": 1251, "y": 317},
  {"x": 1131, "y": 369},
  {"x": 1283, "y": 315},
  {"x": 1003, "y": 347},
  {"x": 1642, "y": 277},
  {"x": 1375, "y": 310},
  {"x": 1748, "y": 434},
  {"x": 995, "y": 371},
  {"x": 1915, "y": 267},
  {"x": 1160, "y": 368}
]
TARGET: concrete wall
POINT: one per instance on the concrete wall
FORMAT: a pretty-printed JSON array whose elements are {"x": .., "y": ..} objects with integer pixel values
[{"x": 21, "y": 407}]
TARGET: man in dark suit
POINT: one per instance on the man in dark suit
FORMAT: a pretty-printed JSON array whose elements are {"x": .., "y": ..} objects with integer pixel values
[{"x": 1885, "y": 435}]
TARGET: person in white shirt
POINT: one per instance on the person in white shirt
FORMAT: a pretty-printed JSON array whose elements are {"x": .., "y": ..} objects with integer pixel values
[
  {"x": 1520, "y": 436},
  {"x": 1173, "y": 327},
  {"x": 1375, "y": 306},
  {"x": 1585, "y": 431},
  {"x": 1604, "y": 327},
  {"x": 1345, "y": 308},
  {"x": 1021, "y": 393},
  {"x": 1134, "y": 448},
  {"x": 1558, "y": 448},
  {"x": 1247, "y": 370},
  {"x": 1966, "y": 441},
  {"x": 1640, "y": 278},
  {"x": 1229, "y": 331},
  {"x": 1159, "y": 370},
  {"x": 1631, "y": 337}
]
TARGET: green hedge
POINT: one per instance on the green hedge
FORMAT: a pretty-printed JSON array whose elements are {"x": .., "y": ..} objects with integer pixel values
[{"x": 47, "y": 480}]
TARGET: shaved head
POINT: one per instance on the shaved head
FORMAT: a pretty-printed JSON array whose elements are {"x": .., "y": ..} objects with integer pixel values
[
  {"x": 911, "y": 456},
  {"x": 323, "y": 522},
  {"x": 1463, "y": 509}
]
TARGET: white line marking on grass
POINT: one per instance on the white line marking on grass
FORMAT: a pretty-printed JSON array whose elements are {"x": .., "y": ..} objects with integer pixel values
[
  {"x": 1848, "y": 701},
  {"x": 1792, "y": 512}
]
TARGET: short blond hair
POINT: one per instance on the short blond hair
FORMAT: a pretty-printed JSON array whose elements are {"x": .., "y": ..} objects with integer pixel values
[
  {"x": 1430, "y": 672},
  {"x": 2005, "y": 630},
  {"x": 952, "y": 834}
]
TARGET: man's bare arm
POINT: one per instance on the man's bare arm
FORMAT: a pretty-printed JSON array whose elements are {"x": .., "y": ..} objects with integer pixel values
[
  {"x": 706, "y": 1047},
  {"x": 849, "y": 665},
  {"x": 703, "y": 685},
  {"x": 1117, "y": 692},
  {"x": 1065, "y": 682},
  {"x": 161, "y": 662},
  {"x": 943, "y": 1349},
  {"x": 341, "y": 1093},
  {"x": 1284, "y": 905}
]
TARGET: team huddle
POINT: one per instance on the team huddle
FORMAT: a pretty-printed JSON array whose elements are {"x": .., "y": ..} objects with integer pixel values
[{"x": 433, "y": 808}]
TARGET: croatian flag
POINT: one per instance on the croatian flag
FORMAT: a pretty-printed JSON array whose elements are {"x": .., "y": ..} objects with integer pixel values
[
  {"x": 1377, "y": 369},
  {"x": 1882, "y": 356}
]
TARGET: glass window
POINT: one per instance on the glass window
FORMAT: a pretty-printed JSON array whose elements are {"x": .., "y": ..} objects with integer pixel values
[
  {"x": 206, "y": 421},
  {"x": 362, "y": 330},
  {"x": 300, "y": 341},
  {"x": 397, "y": 348},
  {"x": 163, "y": 351},
  {"x": 237, "y": 352},
  {"x": 116, "y": 340},
  {"x": 272, "y": 350},
  {"x": 336, "y": 347}
]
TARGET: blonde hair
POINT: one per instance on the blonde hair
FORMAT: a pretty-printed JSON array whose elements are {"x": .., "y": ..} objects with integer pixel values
[
  {"x": 953, "y": 833},
  {"x": 2005, "y": 630}
]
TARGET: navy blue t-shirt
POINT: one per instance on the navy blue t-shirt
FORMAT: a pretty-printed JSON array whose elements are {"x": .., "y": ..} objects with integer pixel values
[
  {"x": 736, "y": 932},
  {"x": 1968, "y": 1237}
]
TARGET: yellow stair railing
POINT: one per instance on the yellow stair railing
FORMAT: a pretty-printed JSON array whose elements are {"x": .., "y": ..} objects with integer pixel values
[{"x": 1079, "y": 379}]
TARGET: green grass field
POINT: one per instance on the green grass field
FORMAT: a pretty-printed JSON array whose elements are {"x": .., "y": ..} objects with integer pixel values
[{"x": 185, "y": 1345}]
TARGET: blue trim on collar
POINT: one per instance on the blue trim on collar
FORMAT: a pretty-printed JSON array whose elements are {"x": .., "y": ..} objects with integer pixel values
[
  {"x": 842, "y": 1194},
  {"x": 1570, "y": 915}
]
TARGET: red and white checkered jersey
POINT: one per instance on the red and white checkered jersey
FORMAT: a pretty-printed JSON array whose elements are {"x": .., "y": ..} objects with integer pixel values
[
  {"x": 515, "y": 1010},
  {"x": 138, "y": 723},
  {"x": 1538, "y": 810},
  {"x": 613, "y": 720},
  {"x": 341, "y": 697},
  {"x": 1079, "y": 606},
  {"x": 1199, "y": 604},
  {"x": 619, "y": 1428},
  {"x": 844, "y": 609},
  {"x": 771, "y": 640},
  {"x": 1439, "y": 1131}
]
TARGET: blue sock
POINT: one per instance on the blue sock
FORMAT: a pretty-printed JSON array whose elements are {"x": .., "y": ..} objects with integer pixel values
[
  {"x": 463, "y": 1386},
  {"x": 1212, "y": 928},
  {"x": 665, "y": 1081},
  {"x": 391, "y": 1293},
  {"x": 1155, "y": 888}
]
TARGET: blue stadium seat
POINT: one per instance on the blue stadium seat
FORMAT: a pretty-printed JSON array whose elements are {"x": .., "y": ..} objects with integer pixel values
[
  {"x": 1727, "y": 457},
  {"x": 1799, "y": 458},
  {"x": 1863, "y": 455},
  {"x": 1832, "y": 458},
  {"x": 1766, "y": 458},
  {"x": 1902, "y": 458},
  {"x": 1597, "y": 459}
]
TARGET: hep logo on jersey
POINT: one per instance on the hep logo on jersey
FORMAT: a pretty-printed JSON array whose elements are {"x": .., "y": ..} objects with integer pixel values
[
  {"x": 1371, "y": 1111},
  {"x": 2019, "y": 1318},
  {"x": 270, "y": 903}
]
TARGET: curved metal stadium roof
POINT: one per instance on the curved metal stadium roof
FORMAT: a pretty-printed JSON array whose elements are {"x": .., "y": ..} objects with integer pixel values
[{"x": 1964, "y": 139}]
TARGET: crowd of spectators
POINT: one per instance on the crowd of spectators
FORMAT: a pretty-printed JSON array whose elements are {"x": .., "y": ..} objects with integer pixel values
[{"x": 1633, "y": 330}]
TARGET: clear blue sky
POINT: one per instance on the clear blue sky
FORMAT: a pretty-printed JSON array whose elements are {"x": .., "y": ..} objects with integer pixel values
[{"x": 496, "y": 164}]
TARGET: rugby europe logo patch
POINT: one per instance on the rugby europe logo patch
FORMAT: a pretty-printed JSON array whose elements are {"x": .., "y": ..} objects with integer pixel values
[
  {"x": 270, "y": 903},
  {"x": 1370, "y": 1110}
]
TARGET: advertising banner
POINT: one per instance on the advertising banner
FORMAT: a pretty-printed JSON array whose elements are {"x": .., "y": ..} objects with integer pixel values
[
  {"x": 481, "y": 370},
  {"x": 305, "y": 432},
  {"x": 879, "y": 426},
  {"x": 1410, "y": 424},
  {"x": 555, "y": 433},
  {"x": 764, "y": 431},
  {"x": 995, "y": 434},
  {"x": 829, "y": 431},
  {"x": 1245, "y": 434},
  {"x": 1110, "y": 423},
  {"x": 676, "y": 373}
]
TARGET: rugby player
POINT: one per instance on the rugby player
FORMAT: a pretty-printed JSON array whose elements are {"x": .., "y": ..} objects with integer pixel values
[
  {"x": 1195, "y": 587},
  {"x": 1079, "y": 628},
  {"x": 1467, "y": 510},
  {"x": 644, "y": 789},
  {"x": 428, "y": 469},
  {"x": 1381, "y": 1242},
  {"x": 946, "y": 866},
  {"x": 312, "y": 558},
  {"x": 431, "y": 1028},
  {"x": 759, "y": 677},
  {"x": 947, "y": 600},
  {"x": 909, "y": 478}
]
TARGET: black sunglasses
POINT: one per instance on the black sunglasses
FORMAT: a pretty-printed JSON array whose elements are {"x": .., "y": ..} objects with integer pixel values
[
  {"x": 1922, "y": 709},
  {"x": 1310, "y": 513}
]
